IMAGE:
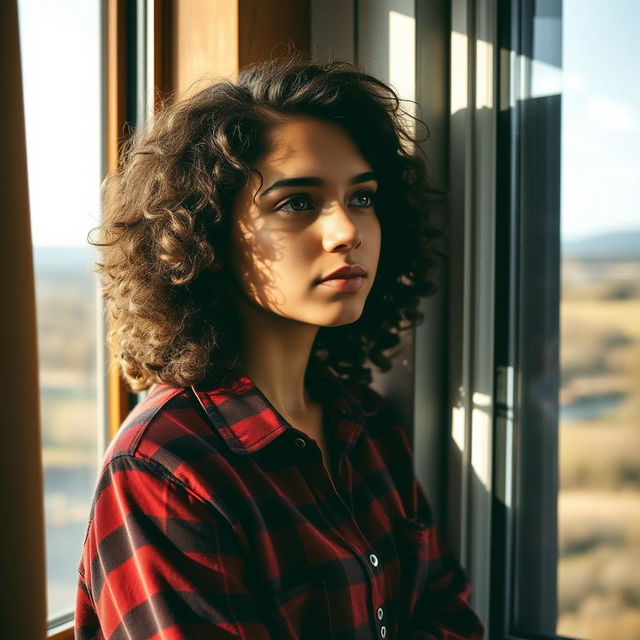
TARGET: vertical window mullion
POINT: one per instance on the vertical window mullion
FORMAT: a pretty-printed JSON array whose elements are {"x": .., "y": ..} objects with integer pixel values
[
  {"x": 505, "y": 321},
  {"x": 122, "y": 114},
  {"x": 535, "y": 607}
]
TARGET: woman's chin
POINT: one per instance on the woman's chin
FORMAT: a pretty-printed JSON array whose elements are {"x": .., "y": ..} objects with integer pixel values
[
  {"x": 333, "y": 315},
  {"x": 339, "y": 317}
]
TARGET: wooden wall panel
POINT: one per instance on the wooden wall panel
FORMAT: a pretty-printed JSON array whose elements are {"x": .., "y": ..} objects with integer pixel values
[
  {"x": 23, "y": 606},
  {"x": 267, "y": 28},
  {"x": 204, "y": 42},
  {"x": 212, "y": 39}
]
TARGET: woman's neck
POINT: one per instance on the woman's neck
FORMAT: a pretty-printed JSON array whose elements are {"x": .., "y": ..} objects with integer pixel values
[{"x": 276, "y": 356}]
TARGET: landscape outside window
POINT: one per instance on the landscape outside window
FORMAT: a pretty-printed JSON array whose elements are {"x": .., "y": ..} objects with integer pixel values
[
  {"x": 599, "y": 455},
  {"x": 61, "y": 70}
]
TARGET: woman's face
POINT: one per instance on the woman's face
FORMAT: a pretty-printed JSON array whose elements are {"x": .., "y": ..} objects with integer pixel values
[{"x": 313, "y": 214}]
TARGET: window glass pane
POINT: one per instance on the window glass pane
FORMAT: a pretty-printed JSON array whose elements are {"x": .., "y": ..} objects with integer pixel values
[
  {"x": 577, "y": 427},
  {"x": 61, "y": 66},
  {"x": 599, "y": 435}
]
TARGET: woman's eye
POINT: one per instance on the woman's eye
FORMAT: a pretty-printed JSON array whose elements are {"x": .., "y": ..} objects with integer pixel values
[
  {"x": 296, "y": 204},
  {"x": 364, "y": 199}
]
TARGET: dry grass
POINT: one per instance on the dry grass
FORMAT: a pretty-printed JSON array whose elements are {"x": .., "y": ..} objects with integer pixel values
[
  {"x": 600, "y": 594},
  {"x": 620, "y": 314},
  {"x": 605, "y": 569},
  {"x": 601, "y": 338},
  {"x": 587, "y": 519},
  {"x": 600, "y": 618},
  {"x": 68, "y": 457},
  {"x": 600, "y": 455},
  {"x": 599, "y": 567},
  {"x": 599, "y": 500}
]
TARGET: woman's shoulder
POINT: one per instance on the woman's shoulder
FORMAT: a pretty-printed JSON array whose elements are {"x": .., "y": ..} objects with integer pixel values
[
  {"x": 166, "y": 432},
  {"x": 165, "y": 437},
  {"x": 165, "y": 413}
]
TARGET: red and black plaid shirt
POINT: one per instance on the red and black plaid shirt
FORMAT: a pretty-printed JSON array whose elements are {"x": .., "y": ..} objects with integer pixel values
[{"x": 214, "y": 518}]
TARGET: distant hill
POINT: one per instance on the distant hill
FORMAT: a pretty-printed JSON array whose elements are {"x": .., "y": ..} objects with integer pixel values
[
  {"x": 63, "y": 259},
  {"x": 617, "y": 246}
]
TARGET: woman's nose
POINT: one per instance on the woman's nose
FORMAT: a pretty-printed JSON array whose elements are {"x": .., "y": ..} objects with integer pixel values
[{"x": 339, "y": 230}]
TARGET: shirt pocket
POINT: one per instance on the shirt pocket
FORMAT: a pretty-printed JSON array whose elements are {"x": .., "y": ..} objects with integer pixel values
[
  {"x": 412, "y": 538},
  {"x": 302, "y": 612}
]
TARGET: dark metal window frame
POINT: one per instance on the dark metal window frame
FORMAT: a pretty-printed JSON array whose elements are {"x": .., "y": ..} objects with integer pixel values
[{"x": 524, "y": 546}]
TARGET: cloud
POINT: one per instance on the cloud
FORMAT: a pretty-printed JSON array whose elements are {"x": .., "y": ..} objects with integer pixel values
[{"x": 612, "y": 114}]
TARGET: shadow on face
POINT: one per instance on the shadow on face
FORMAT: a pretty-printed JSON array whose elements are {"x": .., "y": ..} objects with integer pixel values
[{"x": 307, "y": 210}]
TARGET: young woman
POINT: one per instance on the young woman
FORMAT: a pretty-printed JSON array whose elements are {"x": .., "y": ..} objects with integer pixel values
[{"x": 263, "y": 242}]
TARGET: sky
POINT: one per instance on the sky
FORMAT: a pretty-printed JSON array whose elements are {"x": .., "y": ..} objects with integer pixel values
[
  {"x": 61, "y": 76},
  {"x": 600, "y": 117}
]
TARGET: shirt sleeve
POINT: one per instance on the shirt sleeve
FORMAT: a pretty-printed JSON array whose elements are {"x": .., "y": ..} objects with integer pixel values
[
  {"x": 435, "y": 587},
  {"x": 159, "y": 562}
]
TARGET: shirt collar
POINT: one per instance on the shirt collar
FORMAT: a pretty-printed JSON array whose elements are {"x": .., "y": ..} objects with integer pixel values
[{"x": 247, "y": 421}]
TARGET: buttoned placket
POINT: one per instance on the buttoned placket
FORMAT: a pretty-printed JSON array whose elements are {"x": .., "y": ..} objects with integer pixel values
[
  {"x": 373, "y": 559},
  {"x": 375, "y": 576}
]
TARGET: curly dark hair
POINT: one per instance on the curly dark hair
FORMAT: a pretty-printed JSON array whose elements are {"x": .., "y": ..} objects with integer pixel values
[{"x": 166, "y": 222}]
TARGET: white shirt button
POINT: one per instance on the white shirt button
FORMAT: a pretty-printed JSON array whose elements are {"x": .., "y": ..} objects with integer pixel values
[
  {"x": 301, "y": 443},
  {"x": 373, "y": 559},
  {"x": 380, "y": 613},
  {"x": 383, "y": 631}
]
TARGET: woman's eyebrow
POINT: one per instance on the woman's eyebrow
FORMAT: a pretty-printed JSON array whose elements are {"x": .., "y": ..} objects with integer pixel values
[
  {"x": 293, "y": 182},
  {"x": 315, "y": 182},
  {"x": 364, "y": 177}
]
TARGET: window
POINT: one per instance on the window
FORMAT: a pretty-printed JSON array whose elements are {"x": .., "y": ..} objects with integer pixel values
[
  {"x": 62, "y": 78},
  {"x": 567, "y": 318},
  {"x": 599, "y": 447}
]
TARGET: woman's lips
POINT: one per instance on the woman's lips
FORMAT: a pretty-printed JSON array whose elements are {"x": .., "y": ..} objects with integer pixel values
[{"x": 344, "y": 284}]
